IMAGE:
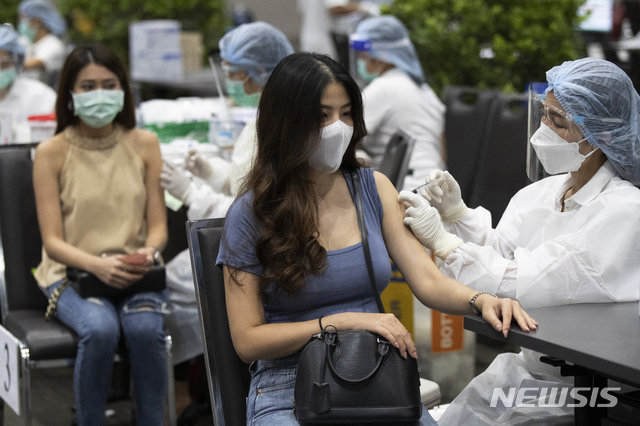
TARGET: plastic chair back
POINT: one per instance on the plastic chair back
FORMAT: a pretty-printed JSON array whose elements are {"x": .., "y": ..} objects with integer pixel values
[
  {"x": 228, "y": 376},
  {"x": 21, "y": 240},
  {"x": 465, "y": 122},
  {"x": 395, "y": 161},
  {"x": 501, "y": 170}
]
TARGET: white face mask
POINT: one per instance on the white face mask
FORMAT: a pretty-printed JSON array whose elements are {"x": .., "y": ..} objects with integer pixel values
[
  {"x": 556, "y": 154},
  {"x": 334, "y": 142}
]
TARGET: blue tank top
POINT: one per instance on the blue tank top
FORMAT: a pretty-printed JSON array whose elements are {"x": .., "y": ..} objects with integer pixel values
[{"x": 344, "y": 286}]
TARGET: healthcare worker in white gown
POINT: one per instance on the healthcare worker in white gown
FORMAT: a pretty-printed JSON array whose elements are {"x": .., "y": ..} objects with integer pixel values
[
  {"x": 43, "y": 28},
  {"x": 397, "y": 96},
  {"x": 250, "y": 52},
  {"x": 569, "y": 238},
  {"x": 20, "y": 96}
]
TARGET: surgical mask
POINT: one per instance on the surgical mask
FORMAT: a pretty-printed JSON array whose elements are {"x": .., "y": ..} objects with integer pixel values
[
  {"x": 25, "y": 30},
  {"x": 98, "y": 108},
  {"x": 365, "y": 75},
  {"x": 235, "y": 89},
  {"x": 556, "y": 154},
  {"x": 7, "y": 77},
  {"x": 334, "y": 141}
]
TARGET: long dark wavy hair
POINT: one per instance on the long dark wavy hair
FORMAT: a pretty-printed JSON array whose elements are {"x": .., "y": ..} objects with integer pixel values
[
  {"x": 79, "y": 58},
  {"x": 289, "y": 125}
]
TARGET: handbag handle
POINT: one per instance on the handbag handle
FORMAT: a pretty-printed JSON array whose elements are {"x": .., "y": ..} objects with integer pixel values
[
  {"x": 355, "y": 178},
  {"x": 383, "y": 349}
]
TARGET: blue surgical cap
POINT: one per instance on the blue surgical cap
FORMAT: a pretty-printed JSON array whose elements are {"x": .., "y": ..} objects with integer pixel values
[
  {"x": 255, "y": 48},
  {"x": 605, "y": 107},
  {"x": 9, "y": 42},
  {"x": 390, "y": 43},
  {"x": 46, "y": 12}
]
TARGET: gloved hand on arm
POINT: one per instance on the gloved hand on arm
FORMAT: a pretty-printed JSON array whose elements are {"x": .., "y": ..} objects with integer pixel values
[
  {"x": 176, "y": 181},
  {"x": 425, "y": 223},
  {"x": 443, "y": 192}
]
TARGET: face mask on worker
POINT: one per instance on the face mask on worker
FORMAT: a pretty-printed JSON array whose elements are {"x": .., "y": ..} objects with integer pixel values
[
  {"x": 556, "y": 154},
  {"x": 235, "y": 89},
  {"x": 334, "y": 141},
  {"x": 98, "y": 108},
  {"x": 26, "y": 30},
  {"x": 7, "y": 77},
  {"x": 365, "y": 75}
]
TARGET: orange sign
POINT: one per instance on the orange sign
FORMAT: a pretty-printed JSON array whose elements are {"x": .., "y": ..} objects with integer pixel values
[{"x": 446, "y": 332}]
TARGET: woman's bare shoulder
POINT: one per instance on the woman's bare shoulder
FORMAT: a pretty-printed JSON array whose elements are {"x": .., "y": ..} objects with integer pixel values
[
  {"x": 144, "y": 142},
  {"x": 54, "y": 149}
]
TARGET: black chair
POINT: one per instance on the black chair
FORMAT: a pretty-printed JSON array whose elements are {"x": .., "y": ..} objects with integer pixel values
[
  {"x": 43, "y": 344},
  {"x": 501, "y": 169},
  {"x": 395, "y": 161},
  {"x": 464, "y": 127},
  {"x": 228, "y": 376}
]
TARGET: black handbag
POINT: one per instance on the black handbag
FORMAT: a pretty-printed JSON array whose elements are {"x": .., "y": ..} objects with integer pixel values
[
  {"x": 356, "y": 376},
  {"x": 88, "y": 285}
]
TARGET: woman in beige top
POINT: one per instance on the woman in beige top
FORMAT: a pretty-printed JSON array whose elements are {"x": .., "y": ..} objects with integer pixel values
[{"x": 98, "y": 196}]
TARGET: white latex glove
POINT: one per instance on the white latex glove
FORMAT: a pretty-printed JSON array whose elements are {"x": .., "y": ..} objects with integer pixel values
[
  {"x": 198, "y": 165},
  {"x": 425, "y": 223},
  {"x": 443, "y": 192},
  {"x": 176, "y": 181}
]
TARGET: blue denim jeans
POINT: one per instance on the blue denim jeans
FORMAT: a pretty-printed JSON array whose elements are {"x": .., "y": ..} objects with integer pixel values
[
  {"x": 99, "y": 323},
  {"x": 270, "y": 400}
]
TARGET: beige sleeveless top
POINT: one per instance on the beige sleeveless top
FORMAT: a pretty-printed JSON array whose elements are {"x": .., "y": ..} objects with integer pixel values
[{"x": 102, "y": 198}]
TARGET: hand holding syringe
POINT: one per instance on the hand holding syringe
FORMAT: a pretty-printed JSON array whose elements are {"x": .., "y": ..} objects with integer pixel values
[{"x": 443, "y": 192}]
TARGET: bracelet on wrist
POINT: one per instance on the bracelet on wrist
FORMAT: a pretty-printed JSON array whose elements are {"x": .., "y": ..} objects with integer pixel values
[
  {"x": 320, "y": 322},
  {"x": 157, "y": 256},
  {"x": 472, "y": 301}
]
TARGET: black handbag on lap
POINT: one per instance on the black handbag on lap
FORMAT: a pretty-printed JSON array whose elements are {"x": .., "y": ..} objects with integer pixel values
[
  {"x": 356, "y": 376},
  {"x": 88, "y": 285}
]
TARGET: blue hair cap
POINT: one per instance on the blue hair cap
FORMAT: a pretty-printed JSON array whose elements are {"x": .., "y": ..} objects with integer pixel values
[
  {"x": 604, "y": 97},
  {"x": 255, "y": 48},
  {"x": 46, "y": 12},
  {"x": 390, "y": 43},
  {"x": 9, "y": 42}
]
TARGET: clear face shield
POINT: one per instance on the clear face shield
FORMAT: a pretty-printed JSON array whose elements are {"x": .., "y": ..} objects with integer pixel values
[
  {"x": 546, "y": 110},
  {"x": 226, "y": 123},
  {"x": 358, "y": 55}
]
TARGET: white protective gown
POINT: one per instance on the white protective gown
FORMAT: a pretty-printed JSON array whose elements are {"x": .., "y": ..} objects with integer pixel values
[
  {"x": 28, "y": 97},
  {"x": 394, "y": 102},
  {"x": 542, "y": 256},
  {"x": 213, "y": 199},
  {"x": 52, "y": 52},
  {"x": 206, "y": 200}
]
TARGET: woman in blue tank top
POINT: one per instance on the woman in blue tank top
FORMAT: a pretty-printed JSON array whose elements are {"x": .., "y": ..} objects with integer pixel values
[{"x": 292, "y": 251}]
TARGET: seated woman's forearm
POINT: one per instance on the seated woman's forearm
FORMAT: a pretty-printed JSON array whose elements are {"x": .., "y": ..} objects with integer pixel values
[
  {"x": 273, "y": 340},
  {"x": 276, "y": 340},
  {"x": 448, "y": 296},
  {"x": 67, "y": 254}
]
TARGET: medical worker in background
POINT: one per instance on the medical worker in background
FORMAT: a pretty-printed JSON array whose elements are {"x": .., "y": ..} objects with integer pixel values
[
  {"x": 314, "y": 28},
  {"x": 344, "y": 17},
  {"x": 250, "y": 51},
  {"x": 570, "y": 238},
  {"x": 20, "y": 96},
  {"x": 397, "y": 96},
  {"x": 42, "y": 27}
]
